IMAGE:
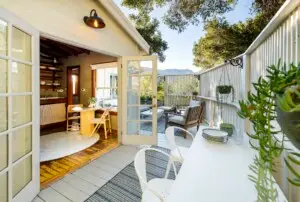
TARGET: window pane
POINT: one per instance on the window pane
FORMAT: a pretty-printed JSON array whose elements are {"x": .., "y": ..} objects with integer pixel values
[
  {"x": 133, "y": 67},
  {"x": 22, "y": 175},
  {"x": 143, "y": 128},
  {"x": 133, "y": 83},
  {"x": 133, "y": 113},
  {"x": 3, "y": 188},
  {"x": 132, "y": 98},
  {"x": 21, "y": 142},
  {"x": 132, "y": 128},
  {"x": 107, "y": 77},
  {"x": 3, "y": 76},
  {"x": 3, "y": 38},
  {"x": 3, "y": 152},
  {"x": 21, "y": 45},
  {"x": 21, "y": 77},
  {"x": 3, "y": 114},
  {"x": 21, "y": 110}
]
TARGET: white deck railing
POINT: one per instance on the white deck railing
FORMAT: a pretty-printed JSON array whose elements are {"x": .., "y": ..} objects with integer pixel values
[{"x": 279, "y": 40}]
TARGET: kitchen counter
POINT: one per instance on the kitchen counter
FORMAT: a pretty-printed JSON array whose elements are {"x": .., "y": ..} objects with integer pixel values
[{"x": 52, "y": 100}]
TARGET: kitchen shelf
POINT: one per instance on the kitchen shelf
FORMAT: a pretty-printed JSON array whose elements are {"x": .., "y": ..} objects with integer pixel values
[
  {"x": 50, "y": 77},
  {"x": 51, "y": 70},
  {"x": 48, "y": 86}
]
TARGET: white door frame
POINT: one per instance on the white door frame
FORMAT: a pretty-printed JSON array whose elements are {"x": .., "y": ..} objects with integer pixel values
[
  {"x": 33, "y": 187},
  {"x": 139, "y": 139}
]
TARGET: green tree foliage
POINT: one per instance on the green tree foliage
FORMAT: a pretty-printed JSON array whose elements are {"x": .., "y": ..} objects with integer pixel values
[
  {"x": 181, "y": 13},
  {"x": 149, "y": 29},
  {"x": 224, "y": 40}
]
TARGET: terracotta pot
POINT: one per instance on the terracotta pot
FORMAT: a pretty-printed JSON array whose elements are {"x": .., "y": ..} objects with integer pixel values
[{"x": 290, "y": 125}]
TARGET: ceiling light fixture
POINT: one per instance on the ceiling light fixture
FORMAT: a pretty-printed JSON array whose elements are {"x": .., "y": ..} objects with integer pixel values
[{"x": 94, "y": 20}]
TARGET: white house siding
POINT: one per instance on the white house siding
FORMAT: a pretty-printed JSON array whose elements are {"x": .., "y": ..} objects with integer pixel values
[{"x": 63, "y": 20}]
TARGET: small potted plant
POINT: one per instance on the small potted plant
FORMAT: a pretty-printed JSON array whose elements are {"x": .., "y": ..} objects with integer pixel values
[
  {"x": 227, "y": 127},
  {"x": 92, "y": 101},
  {"x": 195, "y": 94}
]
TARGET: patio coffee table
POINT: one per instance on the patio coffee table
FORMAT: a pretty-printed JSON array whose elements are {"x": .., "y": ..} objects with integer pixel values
[{"x": 148, "y": 113}]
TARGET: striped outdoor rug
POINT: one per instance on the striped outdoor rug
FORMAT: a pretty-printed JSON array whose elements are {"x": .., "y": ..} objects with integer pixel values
[{"x": 125, "y": 185}]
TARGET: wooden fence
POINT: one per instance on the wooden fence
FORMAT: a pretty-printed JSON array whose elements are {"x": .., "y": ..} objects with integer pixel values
[
  {"x": 279, "y": 40},
  {"x": 178, "y": 89}
]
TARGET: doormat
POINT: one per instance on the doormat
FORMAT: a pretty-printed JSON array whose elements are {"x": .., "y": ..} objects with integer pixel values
[{"x": 125, "y": 186}]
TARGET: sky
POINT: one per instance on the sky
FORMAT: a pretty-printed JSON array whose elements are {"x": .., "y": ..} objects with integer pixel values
[{"x": 179, "y": 54}]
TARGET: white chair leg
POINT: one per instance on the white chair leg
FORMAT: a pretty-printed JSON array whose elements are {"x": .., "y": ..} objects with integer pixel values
[{"x": 168, "y": 168}]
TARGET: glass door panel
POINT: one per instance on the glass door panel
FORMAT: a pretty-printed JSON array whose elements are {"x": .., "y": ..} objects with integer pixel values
[
  {"x": 19, "y": 123},
  {"x": 22, "y": 109},
  {"x": 22, "y": 175},
  {"x": 3, "y": 152},
  {"x": 3, "y": 75},
  {"x": 4, "y": 187},
  {"x": 21, "y": 45},
  {"x": 140, "y": 111},
  {"x": 21, "y": 77},
  {"x": 3, "y": 114},
  {"x": 3, "y": 37},
  {"x": 21, "y": 142}
]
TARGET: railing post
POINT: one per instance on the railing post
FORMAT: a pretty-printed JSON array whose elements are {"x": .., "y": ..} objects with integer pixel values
[{"x": 246, "y": 84}]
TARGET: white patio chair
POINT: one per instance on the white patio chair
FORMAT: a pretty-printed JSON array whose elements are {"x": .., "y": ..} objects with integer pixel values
[
  {"x": 156, "y": 189},
  {"x": 177, "y": 153}
]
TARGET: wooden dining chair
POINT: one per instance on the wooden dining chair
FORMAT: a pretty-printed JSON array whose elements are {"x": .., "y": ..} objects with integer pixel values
[
  {"x": 103, "y": 120},
  {"x": 156, "y": 189},
  {"x": 73, "y": 115}
]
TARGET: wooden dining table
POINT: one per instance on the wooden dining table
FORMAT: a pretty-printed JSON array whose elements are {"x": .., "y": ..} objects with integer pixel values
[{"x": 215, "y": 172}]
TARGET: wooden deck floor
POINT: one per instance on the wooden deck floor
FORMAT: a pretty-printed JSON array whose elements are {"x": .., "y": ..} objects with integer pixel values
[
  {"x": 78, "y": 185},
  {"x": 52, "y": 171}
]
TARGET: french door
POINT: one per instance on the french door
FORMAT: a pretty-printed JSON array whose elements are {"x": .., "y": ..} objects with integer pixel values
[
  {"x": 139, "y": 103},
  {"x": 19, "y": 109}
]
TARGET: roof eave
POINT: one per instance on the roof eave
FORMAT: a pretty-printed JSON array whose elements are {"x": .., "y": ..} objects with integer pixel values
[{"x": 125, "y": 23}]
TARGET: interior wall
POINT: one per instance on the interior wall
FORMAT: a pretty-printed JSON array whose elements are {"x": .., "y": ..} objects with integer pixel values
[{"x": 84, "y": 61}]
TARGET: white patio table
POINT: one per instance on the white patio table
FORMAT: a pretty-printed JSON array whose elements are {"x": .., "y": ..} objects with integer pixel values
[{"x": 214, "y": 172}]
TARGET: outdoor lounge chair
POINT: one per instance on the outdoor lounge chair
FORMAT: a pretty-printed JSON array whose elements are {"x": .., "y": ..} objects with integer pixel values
[{"x": 193, "y": 116}]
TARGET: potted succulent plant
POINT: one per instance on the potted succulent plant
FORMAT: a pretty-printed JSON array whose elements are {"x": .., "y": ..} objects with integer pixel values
[
  {"x": 286, "y": 87},
  {"x": 227, "y": 127},
  {"x": 92, "y": 101},
  {"x": 275, "y": 98}
]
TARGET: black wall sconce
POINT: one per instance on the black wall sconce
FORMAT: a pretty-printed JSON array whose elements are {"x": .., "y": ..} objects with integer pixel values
[
  {"x": 236, "y": 62},
  {"x": 94, "y": 20}
]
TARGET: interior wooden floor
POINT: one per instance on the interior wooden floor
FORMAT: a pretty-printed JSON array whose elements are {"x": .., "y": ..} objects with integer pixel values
[{"x": 54, "y": 170}]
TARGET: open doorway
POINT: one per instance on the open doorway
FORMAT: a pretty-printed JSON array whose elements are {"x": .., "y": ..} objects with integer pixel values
[
  {"x": 66, "y": 80},
  {"x": 73, "y": 85}
]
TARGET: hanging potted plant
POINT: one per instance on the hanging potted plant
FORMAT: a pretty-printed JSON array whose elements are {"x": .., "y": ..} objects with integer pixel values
[
  {"x": 271, "y": 96},
  {"x": 194, "y": 95},
  {"x": 223, "y": 89}
]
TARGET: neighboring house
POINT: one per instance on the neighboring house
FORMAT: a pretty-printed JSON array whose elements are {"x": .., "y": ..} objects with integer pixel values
[{"x": 27, "y": 27}]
